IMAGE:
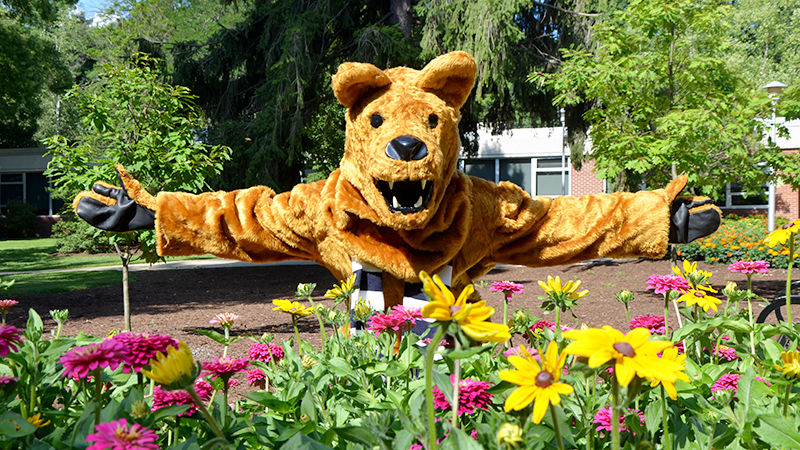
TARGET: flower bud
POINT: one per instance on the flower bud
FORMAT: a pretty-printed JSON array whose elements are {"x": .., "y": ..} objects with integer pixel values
[
  {"x": 308, "y": 362},
  {"x": 139, "y": 409},
  {"x": 509, "y": 435}
]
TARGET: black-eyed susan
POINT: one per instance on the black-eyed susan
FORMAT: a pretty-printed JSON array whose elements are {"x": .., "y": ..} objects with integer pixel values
[
  {"x": 567, "y": 291},
  {"x": 537, "y": 384},
  {"x": 470, "y": 317},
  {"x": 342, "y": 291},
  {"x": 699, "y": 296},
  {"x": 175, "y": 369},
  {"x": 781, "y": 235},
  {"x": 632, "y": 354},
  {"x": 679, "y": 364},
  {"x": 38, "y": 421},
  {"x": 791, "y": 364}
]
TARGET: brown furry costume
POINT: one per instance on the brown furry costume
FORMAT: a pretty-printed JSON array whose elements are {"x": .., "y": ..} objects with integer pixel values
[{"x": 450, "y": 219}]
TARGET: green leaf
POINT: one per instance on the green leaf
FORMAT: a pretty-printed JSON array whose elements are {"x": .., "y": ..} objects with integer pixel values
[
  {"x": 302, "y": 442},
  {"x": 34, "y": 326},
  {"x": 339, "y": 367},
  {"x": 468, "y": 352},
  {"x": 188, "y": 444},
  {"x": 360, "y": 435},
  {"x": 217, "y": 337},
  {"x": 169, "y": 411},
  {"x": 778, "y": 431},
  {"x": 308, "y": 406},
  {"x": 13, "y": 425},
  {"x": 458, "y": 440},
  {"x": 444, "y": 384}
]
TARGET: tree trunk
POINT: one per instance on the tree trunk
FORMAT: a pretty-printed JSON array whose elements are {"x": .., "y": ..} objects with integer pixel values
[
  {"x": 126, "y": 299},
  {"x": 401, "y": 16}
]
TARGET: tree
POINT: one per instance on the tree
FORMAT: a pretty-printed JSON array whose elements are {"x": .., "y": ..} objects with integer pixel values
[
  {"x": 664, "y": 100},
  {"x": 30, "y": 66},
  {"x": 133, "y": 118}
]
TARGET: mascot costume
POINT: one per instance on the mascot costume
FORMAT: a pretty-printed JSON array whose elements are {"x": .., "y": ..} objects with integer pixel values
[{"x": 397, "y": 204}]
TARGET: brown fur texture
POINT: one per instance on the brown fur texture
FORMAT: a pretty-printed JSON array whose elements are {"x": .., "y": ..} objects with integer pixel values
[{"x": 468, "y": 222}]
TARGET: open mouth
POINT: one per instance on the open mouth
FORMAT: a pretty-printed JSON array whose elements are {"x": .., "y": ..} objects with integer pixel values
[{"x": 405, "y": 196}]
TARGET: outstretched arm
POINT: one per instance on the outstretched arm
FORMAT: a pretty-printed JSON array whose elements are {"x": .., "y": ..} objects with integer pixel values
[
  {"x": 250, "y": 224},
  {"x": 540, "y": 231}
]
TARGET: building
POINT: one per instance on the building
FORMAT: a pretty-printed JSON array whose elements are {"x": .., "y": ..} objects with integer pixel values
[
  {"x": 22, "y": 179},
  {"x": 533, "y": 159}
]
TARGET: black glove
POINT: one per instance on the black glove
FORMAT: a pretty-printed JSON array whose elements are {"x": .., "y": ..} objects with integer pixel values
[
  {"x": 125, "y": 215},
  {"x": 692, "y": 218}
]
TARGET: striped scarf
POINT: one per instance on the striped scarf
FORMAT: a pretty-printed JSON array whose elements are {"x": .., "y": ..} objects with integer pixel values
[{"x": 369, "y": 286}]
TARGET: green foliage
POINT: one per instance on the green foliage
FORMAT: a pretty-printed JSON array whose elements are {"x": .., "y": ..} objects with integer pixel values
[
  {"x": 134, "y": 119},
  {"x": 665, "y": 101},
  {"x": 738, "y": 238},
  {"x": 76, "y": 236},
  {"x": 54, "y": 282},
  {"x": 20, "y": 221}
]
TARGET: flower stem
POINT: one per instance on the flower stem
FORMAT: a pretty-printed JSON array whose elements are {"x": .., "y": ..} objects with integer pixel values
[
  {"x": 204, "y": 411},
  {"x": 665, "y": 421},
  {"x": 98, "y": 386},
  {"x": 556, "y": 429},
  {"x": 456, "y": 386},
  {"x": 666, "y": 314},
  {"x": 297, "y": 335},
  {"x": 505, "y": 315},
  {"x": 750, "y": 317},
  {"x": 227, "y": 340},
  {"x": 319, "y": 319},
  {"x": 432, "y": 346},
  {"x": 557, "y": 328},
  {"x": 614, "y": 412},
  {"x": 786, "y": 399}
]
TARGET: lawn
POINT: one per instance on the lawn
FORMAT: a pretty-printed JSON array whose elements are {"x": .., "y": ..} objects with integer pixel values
[
  {"x": 39, "y": 254},
  {"x": 52, "y": 282}
]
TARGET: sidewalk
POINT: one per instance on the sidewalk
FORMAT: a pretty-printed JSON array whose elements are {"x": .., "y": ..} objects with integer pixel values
[{"x": 214, "y": 263}]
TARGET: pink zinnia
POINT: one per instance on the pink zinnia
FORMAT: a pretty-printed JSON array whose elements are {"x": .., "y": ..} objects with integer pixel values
[
  {"x": 256, "y": 377},
  {"x": 472, "y": 395},
  {"x": 9, "y": 339},
  {"x": 409, "y": 315},
  {"x": 513, "y": 351},
  {"x": 117, "y": 435},
  {"x": 225, "y": 320},
  {"x": 726, "y": 352},
  {"x": 508, "y": 288},
  {"x": 760, "y": 266},
  {"x": 142, "y": 348},
  {"x": 381, "y": 323},
  {"x": 6, "y": 304},
  {"x": 264, "y": 352},
  {"x": 225, "y": 367},
  {"x": 655, "y": 324},
  {"x": 79, "y": 361},
  {"x": 730, "y": 382},
  {"x": 5, "y": 379},
  {"x": 603, "y": 418},
  {"x": 162, "y": 398},
  {"x": 665, "y": 283}
]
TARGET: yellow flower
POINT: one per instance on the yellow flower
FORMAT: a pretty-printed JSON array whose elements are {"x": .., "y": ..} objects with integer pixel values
[
  {"x": 688, "y": 267},
  {"x": 692, "y": 274},
  {"x": 698, "y": 296},
  {"x": 791, "y": 364},
  {"x": 294, "y": 308},
  {"x": 175, "y": 370},
  {"x": 471, "y": 317},
  {"x": 343, "y": 290},
  {"x": 632, "y": 353},
  {"x": 509, "y": 435},
  {"x": 781, "y": 235},
  {"x": 37, "y": 421},
  {"x": 554, "y": 288},
  {"x": 671, "y": 354},
  {"x": 536, "y": 384}
]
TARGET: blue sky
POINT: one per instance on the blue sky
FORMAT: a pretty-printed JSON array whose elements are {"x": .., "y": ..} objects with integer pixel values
[{"x": 92, "y": 7}]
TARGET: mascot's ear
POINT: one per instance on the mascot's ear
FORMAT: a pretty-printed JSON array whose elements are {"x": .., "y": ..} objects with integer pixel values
[
  {"x": 450, "y": 76},
  {"x": 354, "y": 80}
]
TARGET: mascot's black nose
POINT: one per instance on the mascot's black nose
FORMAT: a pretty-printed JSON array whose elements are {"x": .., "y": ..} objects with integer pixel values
[{"x": 406, "y": 148}]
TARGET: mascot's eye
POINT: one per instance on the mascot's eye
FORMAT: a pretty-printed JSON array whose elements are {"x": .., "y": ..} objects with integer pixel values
[
  {"x": 376, "y": 120},
  {"x": 433, "y": 120}
]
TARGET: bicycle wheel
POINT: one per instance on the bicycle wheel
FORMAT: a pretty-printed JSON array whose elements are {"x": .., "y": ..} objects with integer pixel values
[{"x": 777, "y": 307}]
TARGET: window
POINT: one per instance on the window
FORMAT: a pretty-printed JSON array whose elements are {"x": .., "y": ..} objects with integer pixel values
[
  {"x": 736, "y": 197},
  {"x": 481, "y": 168},
  {"x": 517, "y": 171},
  {"x": 537, "y": 176},
  {"x": 548, "y": 177},
  {"x": 29, "y": 187}
]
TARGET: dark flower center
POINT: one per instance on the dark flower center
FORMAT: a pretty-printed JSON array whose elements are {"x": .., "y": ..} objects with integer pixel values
[
  {"x": 699, "y": 294},
  {"x": 544, "y": 379},
  {"x": 454, "y": 309},
  {"x": 625, "y": 349}
]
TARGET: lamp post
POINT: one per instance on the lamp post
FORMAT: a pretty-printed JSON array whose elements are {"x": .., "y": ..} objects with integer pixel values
[{"x": 774, "y": 90}]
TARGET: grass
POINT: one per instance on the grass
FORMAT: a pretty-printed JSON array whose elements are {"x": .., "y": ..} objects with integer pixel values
[
  {"x": 39, "y": 254},
  {"x": 53, "y": 282}
]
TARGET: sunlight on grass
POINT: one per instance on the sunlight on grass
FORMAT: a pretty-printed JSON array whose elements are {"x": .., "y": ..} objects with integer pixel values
[
  {"x": 39, "y": 254},
  {"x": 47, "y": 283}
]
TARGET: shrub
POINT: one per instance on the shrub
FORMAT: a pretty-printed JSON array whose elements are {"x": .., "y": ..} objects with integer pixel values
[
  {"x": 76, "y": 236},
  {"x": 738, "y": 238},
  {"x": 20, "y": 220}
]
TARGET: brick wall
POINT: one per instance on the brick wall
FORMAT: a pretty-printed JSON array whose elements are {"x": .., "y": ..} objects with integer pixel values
[
  {"x": 583, "y": 181},
  {"x": 787, "y": 201}
]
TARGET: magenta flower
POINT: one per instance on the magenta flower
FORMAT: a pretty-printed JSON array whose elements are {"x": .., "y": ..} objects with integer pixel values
[
  {"x": 9, "y": 339},
  {"x": 726, "y": 352},
  {"x": 162, "y": 398},
  {"x": 665, "y": 283},
  {"x": 410, "y": 315},
  {"x": 472, "y": 395},
  {"x": 117, "y": 435},
  {"x": 6, "y": 304},
  {"x": 5, "y": 379},
  {"x": 508, "y": 288},
  {"x": 760, "y": 266},
  {"x": 79, "y": 361},
  {"x": 263, "y": 352},
  {"x": 515, "y": 350},
  {"x": 655, "y": 324},
  {"x": 730, "y": 382},
  {"x": 225, "y": 320},
  {"x": 225, "y": 367},
  {"x": 256, "y": 377},
  {"x": 381, "y": 323},
  {"x": 603, "y": 418},
  {"x": 142, "y": 348}
]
